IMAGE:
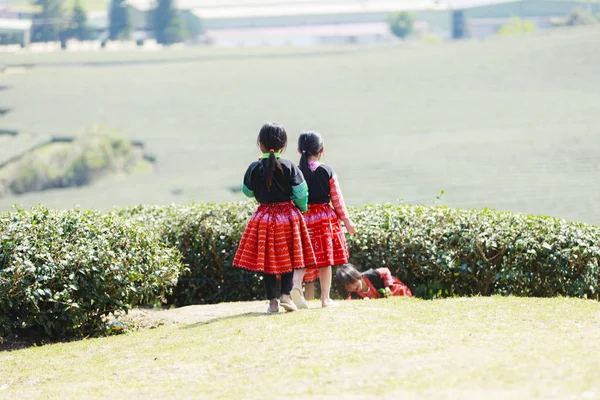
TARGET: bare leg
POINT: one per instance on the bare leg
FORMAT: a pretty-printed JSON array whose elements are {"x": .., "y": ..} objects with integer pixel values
[
  {"x": 309, "y": 290},
  {"x": 298, "y": 277},
  {"x": 325, "y": 280}
]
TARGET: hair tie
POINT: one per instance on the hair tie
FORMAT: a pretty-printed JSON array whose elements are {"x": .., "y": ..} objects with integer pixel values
[{"x": 271, "y": 151}]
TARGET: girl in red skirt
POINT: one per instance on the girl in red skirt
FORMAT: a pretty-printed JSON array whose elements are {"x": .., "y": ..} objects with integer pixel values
[
  {"x": 276, "y": 240},
  {"x": 371, "y": 284},
  {"x": 322, "y": 220}
]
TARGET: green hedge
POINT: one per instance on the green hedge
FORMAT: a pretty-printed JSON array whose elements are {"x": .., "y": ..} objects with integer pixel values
[
  {"x": 440, "y": 251},
  {"x": 62, "y": 271},
  {"x": 437, "y": 251},
  {"x": 207, "y": 235}
]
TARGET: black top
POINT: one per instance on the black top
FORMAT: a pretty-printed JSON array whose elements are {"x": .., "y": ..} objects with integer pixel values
[
  {"x": 281, "y": 189},
  {"x": 318, "y": 185}
]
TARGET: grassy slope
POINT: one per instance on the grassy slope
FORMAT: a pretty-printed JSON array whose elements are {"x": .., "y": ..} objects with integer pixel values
[
  {"x": 509, "y": 124},
  {"x": 454, "y": 348}
]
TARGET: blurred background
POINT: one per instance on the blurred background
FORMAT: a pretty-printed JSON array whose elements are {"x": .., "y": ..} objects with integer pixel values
[{"x": 112, "y": 103}]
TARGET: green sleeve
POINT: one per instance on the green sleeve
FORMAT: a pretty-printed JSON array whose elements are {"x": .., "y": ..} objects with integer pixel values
[
  {"x": 247, "y": 192},
  {"x": 300, "y": 196}
]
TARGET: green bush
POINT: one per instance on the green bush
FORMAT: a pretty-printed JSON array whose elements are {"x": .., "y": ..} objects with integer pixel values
[
  {"x": 440, "y": 251},
  {"x": 62, "y": 271},
  {"x": 431, "y": 38},
  {"x": 437, "y": 251},
  {"x": 77, "y": 163},
  {"x": 517, "y": 26},
  {"x": 207, "y": 235}
]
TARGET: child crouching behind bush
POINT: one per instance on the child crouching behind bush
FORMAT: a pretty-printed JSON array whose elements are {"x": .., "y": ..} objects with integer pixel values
[{"x": 371, "y": 284}]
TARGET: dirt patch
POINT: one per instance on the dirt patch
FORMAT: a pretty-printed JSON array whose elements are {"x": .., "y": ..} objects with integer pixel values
[{"x": 147, "y": 318}]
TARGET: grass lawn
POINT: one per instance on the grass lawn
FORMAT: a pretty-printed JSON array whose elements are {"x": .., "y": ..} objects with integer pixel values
[{"x": 464, "y": 348}]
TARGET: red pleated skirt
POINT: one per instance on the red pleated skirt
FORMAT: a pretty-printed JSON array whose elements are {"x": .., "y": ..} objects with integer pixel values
[
  {"x": 275, "y": 241},
  {"x": 327, "y": 238}
]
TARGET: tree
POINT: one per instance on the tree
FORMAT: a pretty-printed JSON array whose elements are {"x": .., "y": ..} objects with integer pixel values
[
  {"x": 460, "y": 25},
  {"x": 579, "y": 16},
  {"x": 192, "y": 25},
  {"x": 401, "y": 23},
  {"x": 120, "y": 26},
  {"x": 168, "y": 27},
  {"x": 49, "y": 22},
  {"x": 78, "y": 22}
]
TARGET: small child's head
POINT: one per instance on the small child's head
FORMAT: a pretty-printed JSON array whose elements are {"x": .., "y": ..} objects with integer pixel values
[
  {"x": 310, "y": 144},
  {"x": 272, "y": 136},
  {"x": 348, "y": 278}
]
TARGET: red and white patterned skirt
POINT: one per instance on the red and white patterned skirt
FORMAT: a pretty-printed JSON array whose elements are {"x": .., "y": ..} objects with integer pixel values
[
  {"x": 275, "y": 241},
  {"x": 327, "y": 238}
]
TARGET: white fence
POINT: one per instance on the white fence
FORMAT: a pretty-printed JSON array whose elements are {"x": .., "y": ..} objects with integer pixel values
[
  {"x": 73, "y": 45},
  {"x": 10, "y": 48},
  {"x": 43, "y": 47},
  {"x": 86, "y": 45}
]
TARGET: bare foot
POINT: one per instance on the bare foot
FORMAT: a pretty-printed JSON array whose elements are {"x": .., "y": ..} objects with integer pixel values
[{"x": 328, "y": 303}]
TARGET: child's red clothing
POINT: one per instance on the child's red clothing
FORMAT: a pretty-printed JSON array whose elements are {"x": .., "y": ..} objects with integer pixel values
[
  {"x": 380, "y": 278},
  {"x": 323, "y": 220},
  {"x": 276, "y": 240}
]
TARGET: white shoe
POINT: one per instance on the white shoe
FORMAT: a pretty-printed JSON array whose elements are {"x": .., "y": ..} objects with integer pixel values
[
  {"x": 269, "y": 311},
  {"x": 298, "y": 298},
  {"x": 329, "y": 303},
  {"x": 288, "y": 306}
]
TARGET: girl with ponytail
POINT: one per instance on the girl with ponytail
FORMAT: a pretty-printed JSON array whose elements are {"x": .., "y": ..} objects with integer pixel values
[
  {"x": 275, "y": 241},
  {"x": 326, "y": 209}
]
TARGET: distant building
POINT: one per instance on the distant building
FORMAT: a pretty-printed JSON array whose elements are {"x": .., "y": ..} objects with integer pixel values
[
  {"x": 247, "y": 22},
  {"x": 16, "y": 26},
  {"x": 281, "y": 22}
]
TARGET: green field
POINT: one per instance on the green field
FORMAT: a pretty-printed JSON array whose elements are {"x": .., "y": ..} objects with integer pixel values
[
  {"x": 468, "y": 348},
  {"x": 510, "y": 124}
]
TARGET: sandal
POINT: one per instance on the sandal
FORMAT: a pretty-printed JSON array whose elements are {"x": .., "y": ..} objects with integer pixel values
[
  {"x": 269, "y": 311},
  {"x": 288, "y": 306},
  {"x": 298, "y": 298}
]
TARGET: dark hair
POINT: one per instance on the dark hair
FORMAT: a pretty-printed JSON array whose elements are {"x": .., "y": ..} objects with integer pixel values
[
  {"x": 346, "y": 275},
  {"x": 273, "y": 137},
  {"x": 310, "y": 144}
]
